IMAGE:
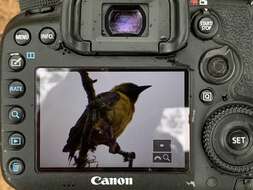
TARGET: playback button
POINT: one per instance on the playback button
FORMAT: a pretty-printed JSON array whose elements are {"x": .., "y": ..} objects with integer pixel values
[
  {"x": 16, "y": 62},
  {"x": 16, "y": 141}
]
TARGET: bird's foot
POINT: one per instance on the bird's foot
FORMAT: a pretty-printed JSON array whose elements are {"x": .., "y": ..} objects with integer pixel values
[
  {"x": 129, "y": 156},
  {"x": 85, "y": 162},
  {"x": 80, "y": 162}
]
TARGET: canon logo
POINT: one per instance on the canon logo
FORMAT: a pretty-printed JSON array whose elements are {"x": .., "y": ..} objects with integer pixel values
[{"x": 96, "y": 180}]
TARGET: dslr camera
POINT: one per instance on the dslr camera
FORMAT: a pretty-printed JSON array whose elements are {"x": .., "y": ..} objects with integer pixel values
[{"x": 128, "y": 94}]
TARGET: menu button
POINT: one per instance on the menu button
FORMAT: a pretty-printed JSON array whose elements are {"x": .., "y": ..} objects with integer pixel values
[{"x": 22, "y": 37}]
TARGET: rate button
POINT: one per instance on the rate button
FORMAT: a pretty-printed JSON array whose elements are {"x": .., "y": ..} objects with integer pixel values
[
  {"x": 238, "y": 140},
  {"x": 16, "y": 89}
]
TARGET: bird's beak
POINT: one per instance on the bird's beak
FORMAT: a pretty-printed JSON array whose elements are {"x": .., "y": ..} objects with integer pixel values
[{"x": 142, "y": 88}]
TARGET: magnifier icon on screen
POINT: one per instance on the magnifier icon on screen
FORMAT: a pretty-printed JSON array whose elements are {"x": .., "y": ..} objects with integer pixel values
[
  {"x": 166, "y": 157},
  {"x": 15, "y": 114}
]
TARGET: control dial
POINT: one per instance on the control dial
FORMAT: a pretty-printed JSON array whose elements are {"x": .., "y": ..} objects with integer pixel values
[{"x": 228, "y": 138}]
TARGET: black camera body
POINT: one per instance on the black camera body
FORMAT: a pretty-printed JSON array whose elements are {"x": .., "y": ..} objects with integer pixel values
[{"x": 172, "y": 81}]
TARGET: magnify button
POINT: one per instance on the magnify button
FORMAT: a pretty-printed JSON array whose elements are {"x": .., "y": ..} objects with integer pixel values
[{"x": 16, "y": 115}]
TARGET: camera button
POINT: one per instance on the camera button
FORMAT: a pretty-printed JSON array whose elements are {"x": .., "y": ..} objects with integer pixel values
[
  {"x": 16, "y": 89},
  {"x": 16, "y": 167},
  {"x": 16, "y": 62},
  {"x": 207, "y": 96},
  {"x": 238, "y": 139},
  {"x": 206, "y": 25},
  {"x": 16, "y": 141},
  {"x": 22, "y": 37},
  {"x": 16, "y": 115},
  {"x": 47, "y": 36}
]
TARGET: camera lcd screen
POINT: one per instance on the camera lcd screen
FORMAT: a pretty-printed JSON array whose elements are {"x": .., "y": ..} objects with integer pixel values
[{"x": 112, "y": 120}]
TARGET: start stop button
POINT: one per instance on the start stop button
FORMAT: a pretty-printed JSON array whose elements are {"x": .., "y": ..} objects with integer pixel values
[
  {"x": 238, "y": 139},
  {"x": 205, "y": 24}
]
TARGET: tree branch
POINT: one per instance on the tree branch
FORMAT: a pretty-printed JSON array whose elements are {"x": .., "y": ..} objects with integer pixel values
[{"x": 88, "y": 85}]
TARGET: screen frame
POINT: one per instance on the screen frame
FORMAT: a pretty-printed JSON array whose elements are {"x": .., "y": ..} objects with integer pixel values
[{"x": 112, "y": 169}]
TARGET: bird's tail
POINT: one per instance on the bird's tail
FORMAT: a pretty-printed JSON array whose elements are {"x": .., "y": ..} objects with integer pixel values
[{"x": 75, "y": 137}]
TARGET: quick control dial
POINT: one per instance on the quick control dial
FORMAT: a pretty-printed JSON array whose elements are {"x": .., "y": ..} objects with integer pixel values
[{"x": 228, "y": 138}]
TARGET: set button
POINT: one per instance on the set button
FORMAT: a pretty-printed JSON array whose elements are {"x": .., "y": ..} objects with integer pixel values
[
  {"x": 16, "y": 62},
  {"x": 16, "y": 167},
  {"x": 22, "y": 37},
  {"x": 238, "y": 139},
  {"x": 16, "y": 89},
  {"x": 16, "y": 115}
]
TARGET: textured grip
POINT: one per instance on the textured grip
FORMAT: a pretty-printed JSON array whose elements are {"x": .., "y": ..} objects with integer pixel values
[
  {"x": 237, "y": 23},
  {"x": 28, "y": 5}
]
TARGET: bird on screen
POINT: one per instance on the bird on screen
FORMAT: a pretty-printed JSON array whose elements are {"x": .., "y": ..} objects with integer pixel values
[{"x": 105, "y": 118}]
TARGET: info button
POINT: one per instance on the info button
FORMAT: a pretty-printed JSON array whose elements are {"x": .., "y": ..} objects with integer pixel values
[
  {"x": 238, "y": 140},
  {"x": 47, "y": 36}
]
